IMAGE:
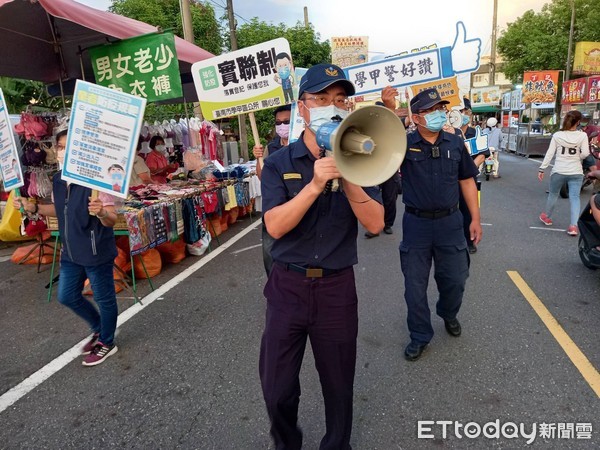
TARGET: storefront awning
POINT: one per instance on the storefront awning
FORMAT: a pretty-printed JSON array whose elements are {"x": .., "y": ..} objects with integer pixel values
[{"x": 485, "y": 109}]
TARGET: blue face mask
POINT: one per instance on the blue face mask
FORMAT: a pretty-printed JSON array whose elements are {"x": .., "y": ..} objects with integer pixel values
[
  {"x": 284, "y": 72},
  {"x": 435, "y": 121},
  {"x": 465, "y": 119},
  {"x": 116, "y": 176}
]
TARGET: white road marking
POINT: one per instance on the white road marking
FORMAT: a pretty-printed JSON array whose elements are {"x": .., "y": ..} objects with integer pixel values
[
  {"x": 27, "y": 385},
  {"x": 245, "y": 249},
  {"x": 4, "y": 258},
  {"x": 548, "y": 229},
  {"x": 487, "y": 225}
]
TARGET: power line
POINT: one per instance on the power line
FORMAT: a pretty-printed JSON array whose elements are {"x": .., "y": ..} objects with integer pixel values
[{"x": 225, "y": 9}]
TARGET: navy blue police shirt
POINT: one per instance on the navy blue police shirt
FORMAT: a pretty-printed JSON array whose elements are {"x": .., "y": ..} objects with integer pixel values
[
  {"x": 431, "y": 184},
  {"x": 274, "y": 145},
  {"x": 326, "y": 236}
]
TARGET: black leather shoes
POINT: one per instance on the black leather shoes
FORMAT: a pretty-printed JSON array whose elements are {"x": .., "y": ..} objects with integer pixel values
[
  {"x": 413, "y": 351},
  {"x": 388, "y": 230},
  {"x": 453, "y": 327}
]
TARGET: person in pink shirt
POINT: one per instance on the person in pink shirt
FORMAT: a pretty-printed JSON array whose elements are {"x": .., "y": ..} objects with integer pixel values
[{"x": 157, "y": 162}]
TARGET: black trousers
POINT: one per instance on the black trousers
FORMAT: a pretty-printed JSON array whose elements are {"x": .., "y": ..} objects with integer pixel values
[
  {"x": 389, "y": 194},
  {"x": 324, "y": 310}
]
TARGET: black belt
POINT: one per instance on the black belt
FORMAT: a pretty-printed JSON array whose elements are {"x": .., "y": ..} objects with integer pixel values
[
  {"x": 430, "y": 214},
  {"x": 312, "y": 272}
]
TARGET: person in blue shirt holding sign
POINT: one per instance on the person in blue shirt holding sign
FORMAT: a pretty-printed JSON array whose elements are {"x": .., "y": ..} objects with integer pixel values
[
  {"x": 435, "y": 170},
  {"x": 311, "y": 290},
  {"x": 86, "y": 229}
]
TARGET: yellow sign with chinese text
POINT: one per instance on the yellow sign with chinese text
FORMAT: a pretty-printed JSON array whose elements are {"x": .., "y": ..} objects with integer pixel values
[{"x": 447, "y": 88}]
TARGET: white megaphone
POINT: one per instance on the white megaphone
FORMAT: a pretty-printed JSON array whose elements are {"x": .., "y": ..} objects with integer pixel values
[
  {"x": 454, "y": 119},
  {"x": 368, "y": 146}
]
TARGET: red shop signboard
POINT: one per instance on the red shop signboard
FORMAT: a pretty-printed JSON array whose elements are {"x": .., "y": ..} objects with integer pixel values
[
  {"x": 593, "y": 90},
  {"x": 573, "y": 91}
]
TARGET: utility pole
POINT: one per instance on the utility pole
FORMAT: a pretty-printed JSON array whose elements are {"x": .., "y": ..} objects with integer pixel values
[
  {"x": 568, "y": 70},
  {"x": 188, "y": 35},
  {"x": 186, "y": 20},
  {"x": 241, "y": 117},
  {"x": 306, "y": 24},
  {"x": 492, "y": 80}
]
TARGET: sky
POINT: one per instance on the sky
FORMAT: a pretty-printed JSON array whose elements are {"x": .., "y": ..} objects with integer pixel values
[{"x": 392, "y": 26}]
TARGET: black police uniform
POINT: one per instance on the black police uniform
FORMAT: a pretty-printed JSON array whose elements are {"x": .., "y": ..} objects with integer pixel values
[
  {"x": 267, "y": 240},
  {"x": 310, "y": 293},
  {"x": 274, "y": 145},
  {"x": 432, "y": 228},
  {"x": 470, "y": 133}
]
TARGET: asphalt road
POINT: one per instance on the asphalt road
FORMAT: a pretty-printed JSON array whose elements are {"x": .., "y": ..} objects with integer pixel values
[{"x": 186, "y": 372}]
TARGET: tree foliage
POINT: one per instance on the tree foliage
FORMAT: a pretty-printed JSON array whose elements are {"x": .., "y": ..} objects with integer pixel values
[
  {"x": 23, "y": 94},
  {"x": 166, "y": 14},
  {"x": 307, "y": 50},
  {"x": 305, "y": 45},
  {"x": 539, "y": 41}
]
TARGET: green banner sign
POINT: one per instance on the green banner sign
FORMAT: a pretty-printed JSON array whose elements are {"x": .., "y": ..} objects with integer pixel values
[{"x": 146, "y": 66}]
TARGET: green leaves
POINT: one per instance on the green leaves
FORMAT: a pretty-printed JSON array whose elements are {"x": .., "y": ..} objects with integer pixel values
[{"x": 539, "y": 41}]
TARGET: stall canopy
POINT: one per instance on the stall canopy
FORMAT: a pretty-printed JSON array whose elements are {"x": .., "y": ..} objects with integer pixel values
[{"x": 42, "y": 40}]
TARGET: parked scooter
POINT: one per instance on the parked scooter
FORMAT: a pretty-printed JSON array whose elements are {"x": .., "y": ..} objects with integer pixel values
[
  {"x": 589, "y": 239},
  {"x": 488, "y": 166}
]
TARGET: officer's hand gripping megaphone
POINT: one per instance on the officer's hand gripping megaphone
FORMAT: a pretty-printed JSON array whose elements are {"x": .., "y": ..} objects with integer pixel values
[{"x": 368, "y": 146}]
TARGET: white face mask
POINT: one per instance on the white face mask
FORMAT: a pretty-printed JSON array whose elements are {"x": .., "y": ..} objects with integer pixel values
[
  {"x": 60, "y": 157},
  {"x": 321, "y": 115},
  {"x": 161, "y": 148}
]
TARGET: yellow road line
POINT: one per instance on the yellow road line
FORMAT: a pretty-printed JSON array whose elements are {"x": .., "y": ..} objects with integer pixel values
[{"x": 585, "y": 367}]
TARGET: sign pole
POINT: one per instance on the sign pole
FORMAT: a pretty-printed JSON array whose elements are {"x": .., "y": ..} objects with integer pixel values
[{"x": 255, "y": 134}]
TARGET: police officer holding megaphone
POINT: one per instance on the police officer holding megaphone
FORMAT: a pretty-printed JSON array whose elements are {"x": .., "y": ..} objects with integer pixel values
[{"x": 311, "y": 283}]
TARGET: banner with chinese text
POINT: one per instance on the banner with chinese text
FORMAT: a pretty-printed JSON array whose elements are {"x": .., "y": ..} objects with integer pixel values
[
  {"x": 145, "y": 66},
  {"x": 573, "y": 91},
  {"x": 417, "y": 68},
  {"x": 593, "y": 90},
  {"x": 12, "y": 175},
  {"x": 103, "y": 132},
  {"x": 539, "y": 88},
  {"x": 253, "y": 78},
  {"x": 349, "y": 50},
  {"x": 486, "y": 96},
  {"x": 587, "y": 58},
  {"x": 447, "y": 88}
]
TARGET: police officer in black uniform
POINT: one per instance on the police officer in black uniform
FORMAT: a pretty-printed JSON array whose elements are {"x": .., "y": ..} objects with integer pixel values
[
  {"x": 469, "y": 132},
  {"x": 436, "y": 167},
  {"x": 311, "y": 291}
]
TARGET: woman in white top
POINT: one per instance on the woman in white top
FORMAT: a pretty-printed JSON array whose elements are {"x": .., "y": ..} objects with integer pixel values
[{"x": 571, "y": 147}]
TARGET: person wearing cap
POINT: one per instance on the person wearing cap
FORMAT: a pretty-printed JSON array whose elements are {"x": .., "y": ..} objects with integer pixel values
[
  {"x": 435, "y": 170},
  {"x": 311, "y": 290},
  {"x": 469, "y": 132},
  {"x": 494, "y": 135}
]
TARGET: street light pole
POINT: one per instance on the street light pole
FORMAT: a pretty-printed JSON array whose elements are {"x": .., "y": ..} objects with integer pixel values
[
  {"x": 492, "y": 80},
  {"x": 568, "y": 69}
]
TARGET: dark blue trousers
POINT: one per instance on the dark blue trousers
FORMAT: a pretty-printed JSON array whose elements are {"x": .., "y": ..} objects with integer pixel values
[
  {"x": 324, "y": 310},
  {"x": 441, "y": 242}
]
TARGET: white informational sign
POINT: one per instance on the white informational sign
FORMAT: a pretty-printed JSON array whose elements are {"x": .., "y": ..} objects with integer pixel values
[
  {"x": 296, "y": 124},
  {"x": 418, "y": 68},
  {"x": 102, "y": 140},
  {"x": 247, "y": 80},
  {"x": 12, "y": 175}
]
